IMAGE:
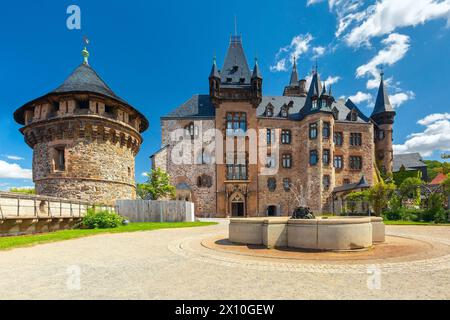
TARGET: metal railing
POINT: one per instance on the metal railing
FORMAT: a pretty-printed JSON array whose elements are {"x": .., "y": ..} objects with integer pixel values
[{"x": 16, "y": 205}]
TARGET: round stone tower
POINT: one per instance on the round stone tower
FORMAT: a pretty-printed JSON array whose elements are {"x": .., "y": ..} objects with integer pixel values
[{"x": 84, "y": 139}]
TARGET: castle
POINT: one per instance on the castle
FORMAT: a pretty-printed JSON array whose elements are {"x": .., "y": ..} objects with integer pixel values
[
  {"x": 326, "y": 147},
  {"x": 84, "y": 139}
]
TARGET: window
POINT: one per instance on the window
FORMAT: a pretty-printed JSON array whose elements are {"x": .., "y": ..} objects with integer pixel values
[
  {"x": 204, "y": 181},
  {"x": 353, "y": 115},
  {"x": 287, "y": 161},
  {"x": 346, "y": 182},
  {"x": 314, "y": 104},
  {"x": 284, "y": 113},
  {"x": 381, "y": 134},
  {"x": 336, "y": 114},
  {"x": 355, "y": 139},
  {"x": 326, "y": 182},
  {"x": 236, "y": 123},
  {"x": 287, "y": 184},
  {"x": 269, "y": 112},
  {"x": 313, "y": 131},
  {"x": 326, "y": 131},
  {"x": 286, "y": 136},
  {"x": 270, "y": 133},
  {"x": 324, "y": 103},
  {"x": 272, "y": 184},
  {"x": 326, "y": 157},
  {"x": 339, "y": 162},
  {"x": 191, "y": 131},
  {"x": 59, "y": 159},
  {"x": 237, "y": 172},
  {"x": 338, "y": 138},
  {"x": 356, "y": 163},
  {"x": 313, "y": 157}
]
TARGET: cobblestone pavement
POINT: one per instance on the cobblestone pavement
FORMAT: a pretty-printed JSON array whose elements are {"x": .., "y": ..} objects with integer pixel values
[{"x": 173, "y": 264}]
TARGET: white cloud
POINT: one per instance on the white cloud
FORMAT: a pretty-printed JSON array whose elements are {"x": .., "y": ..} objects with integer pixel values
[
  {"x": 318, "y": 51},
  {"x": 279, "y": 66},
  {"x": 361, "y": 97},
  {"x": 299, "y": 45},
  {"x": 14, "y": 171},
  {"x": 386, "y": 16},
  {"x": 332, "y": 80},
  {"x": 358, "y": 21},
  {"x": 396, "y": 47},
  {"x": 400, "y": 98},
  {"x": 15, "y": 158},
  {"x": 435, "y": 137}
]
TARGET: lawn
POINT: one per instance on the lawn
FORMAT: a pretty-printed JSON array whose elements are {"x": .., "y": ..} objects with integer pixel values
[{"x": 31, "y": 240}]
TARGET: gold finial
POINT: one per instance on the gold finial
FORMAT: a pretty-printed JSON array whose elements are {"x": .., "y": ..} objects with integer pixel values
[{"x": 85, "y": 52}]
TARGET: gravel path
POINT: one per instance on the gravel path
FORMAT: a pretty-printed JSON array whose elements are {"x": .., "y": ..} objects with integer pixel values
[{"x": 171, "y": 264}]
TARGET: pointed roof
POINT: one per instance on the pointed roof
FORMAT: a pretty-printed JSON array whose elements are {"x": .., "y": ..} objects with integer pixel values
[
  {"x": 235, "y": 66},
  {"x": 294, "y": 75},
  {"x": 214, "y": 71},
  {"x": 83, "y": 79},
  {"x": 256, "y": 71},
  {"x": 315, "y": 88},
  {"x": 382, "y": 104}
]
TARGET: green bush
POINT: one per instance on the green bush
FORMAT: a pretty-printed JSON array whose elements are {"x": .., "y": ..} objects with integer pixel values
[
  {"x": 410, "y": 214},
  {"x": 393, "y": 216},
  {"x": 101, "y": 220},
  {"x": 441, "y": 217}
]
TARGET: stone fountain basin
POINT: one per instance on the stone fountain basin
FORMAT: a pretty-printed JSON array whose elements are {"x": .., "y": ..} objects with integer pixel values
[{"x": 328, "y": 234}]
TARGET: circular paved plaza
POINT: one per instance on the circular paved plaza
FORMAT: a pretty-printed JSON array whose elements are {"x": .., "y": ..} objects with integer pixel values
[{"x": 199, "y": 264}]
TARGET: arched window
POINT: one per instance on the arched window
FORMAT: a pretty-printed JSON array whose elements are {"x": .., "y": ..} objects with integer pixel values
[
  {"x": 269, "y": 111},
  {"x": 191, "y": 131},
  {"x": 272, "y": 184}
]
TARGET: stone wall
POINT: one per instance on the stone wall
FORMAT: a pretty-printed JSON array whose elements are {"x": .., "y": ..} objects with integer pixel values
[
  {"x": 156, "y": 211},
  {"x": 190, "y": 167},
  {"x": 99, "y": 160}
]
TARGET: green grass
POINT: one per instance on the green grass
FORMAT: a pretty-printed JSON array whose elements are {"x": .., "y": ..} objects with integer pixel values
[
  {"x": 7, "y": 243},
  {"x": 412, "y": 223}
]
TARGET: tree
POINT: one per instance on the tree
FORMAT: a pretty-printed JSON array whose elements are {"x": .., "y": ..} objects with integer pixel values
[
  {"x": 157, "y": 186},
  {"x": 446, "y": 185},
  {"x": 379, "y": 196},
  {"x": 410, "y": 189},
  {"x": 355, "y": 198}
]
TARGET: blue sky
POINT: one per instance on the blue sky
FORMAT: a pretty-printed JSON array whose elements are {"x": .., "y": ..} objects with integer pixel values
[{"x": 158, "y": 54}]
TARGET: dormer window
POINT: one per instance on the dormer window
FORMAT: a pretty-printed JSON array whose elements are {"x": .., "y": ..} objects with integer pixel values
[
  {"x": 314, "y": 104},
  {"x": 242, "y": 80},
  {"x": 354, "y": 115},
  {"x": 229, "y": 80},
  {"x": 269, "y": 111},
  {"x": 284, "y": 113},
  {"x": 335, "y": 114},
  {"x": 323, "y": 103}
]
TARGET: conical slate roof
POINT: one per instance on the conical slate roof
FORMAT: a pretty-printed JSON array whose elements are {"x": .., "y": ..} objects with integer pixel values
[
  {"x": 256, "y": 71},
  {"x": 315, "y": 91},
  {"x": 382, "y": 104},
  {"x": 83, "y": 79},
  {"x": 235, "y": 66},
  {"x": 214, "y": 71}
]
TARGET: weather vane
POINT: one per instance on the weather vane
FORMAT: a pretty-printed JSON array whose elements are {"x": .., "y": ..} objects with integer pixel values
[{"x": 85, "y": 52}]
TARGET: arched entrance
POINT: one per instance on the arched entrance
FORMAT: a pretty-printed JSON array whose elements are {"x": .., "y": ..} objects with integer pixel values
[
  {"x": 272, "y": 211},
  {"x": 237, "y": 205}
]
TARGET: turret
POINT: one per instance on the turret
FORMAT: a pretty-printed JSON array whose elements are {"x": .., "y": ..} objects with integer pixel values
[
  {"x": 296, "y": 87},
  {"x": 256, "y": 84},
  {"x": 214, "y": 82},
  {"x": 384, "y": 116}
]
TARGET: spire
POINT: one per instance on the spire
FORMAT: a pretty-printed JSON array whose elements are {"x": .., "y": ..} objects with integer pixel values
[
  {"x": 85, "y": 52},
  {"x": 324, "y": 90},
  {"x": 315, "y": 88},
  {"x": 214, "y": 71},
  {"x": 294, "y": 75},
  {"x": 330, "y": 91},
  {"x": 235, "y": 69},
  {"x": 382, "y": 104},
  {"x": 256, "y": 71}
]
